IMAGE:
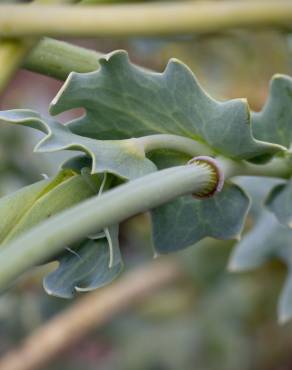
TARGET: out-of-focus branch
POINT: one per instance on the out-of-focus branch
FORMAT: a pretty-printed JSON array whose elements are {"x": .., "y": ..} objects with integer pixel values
[
  {"x": 57, "y": 59},
  {"x": 94, "y": 310},
  {"x": 149, "y": 19},
  {"x": 13, "y": 51},
  {"x": 116, "y": 20}
]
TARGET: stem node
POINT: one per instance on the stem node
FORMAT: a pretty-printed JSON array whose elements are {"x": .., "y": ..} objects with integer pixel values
[{"x": 216, "y": 182}]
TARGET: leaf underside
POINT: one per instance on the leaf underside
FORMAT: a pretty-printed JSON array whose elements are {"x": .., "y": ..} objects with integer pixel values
[
  {"x": 120, "y": 157},
  {"x": 83, "y": 269}
]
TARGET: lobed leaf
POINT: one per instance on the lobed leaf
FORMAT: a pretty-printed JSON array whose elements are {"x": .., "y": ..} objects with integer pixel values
[
  {"x": 124, "y": 158},
  {"x": 82, "y": 269},
  {"x": 186, "y": 220},
  {"x": 123, "y": 101},
  {"x": 273, "y": 123}
]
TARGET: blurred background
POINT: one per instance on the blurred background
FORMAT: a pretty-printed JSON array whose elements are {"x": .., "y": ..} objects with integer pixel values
[{"x": 208, "y": 320}]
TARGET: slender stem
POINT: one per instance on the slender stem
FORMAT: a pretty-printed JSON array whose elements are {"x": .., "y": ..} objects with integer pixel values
[
  {"x": 150, "y": 19},
  {"x": 178, "y": 143},
  {"x": 127, "y": 200},
  {"x": 278, "y": 167},
  {"x": 57, "y": 59}
]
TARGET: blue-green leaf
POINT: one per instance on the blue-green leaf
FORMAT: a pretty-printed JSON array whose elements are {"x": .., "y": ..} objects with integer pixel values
[
  {"x": 279, "y": 202},
  {"x": 123, "y": 101},
  {"x": 274, "y": 122},
  {"x": 186, "y": 220},
  {"x": 267, "y": 239},
  {"x": 266, "y": 235},
  {"x": 82, "y": 269},
  {"x": 124, "y": 158}
]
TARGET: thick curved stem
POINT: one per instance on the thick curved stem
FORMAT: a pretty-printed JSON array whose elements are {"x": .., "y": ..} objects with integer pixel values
[{"x": 95, "y": 214}]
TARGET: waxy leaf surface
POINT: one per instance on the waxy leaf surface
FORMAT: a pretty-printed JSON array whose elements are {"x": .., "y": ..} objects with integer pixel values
[
  {"x": 274, "y": 122},
  {"x": 185, "y": 221},
  {"x": 124, "y": 101},
  {"x": 124, "y": 158},
  {"x": 82, "y": 269}
]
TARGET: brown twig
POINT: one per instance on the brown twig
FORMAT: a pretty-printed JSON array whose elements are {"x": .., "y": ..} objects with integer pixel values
[{"x": 94, "y": 310}]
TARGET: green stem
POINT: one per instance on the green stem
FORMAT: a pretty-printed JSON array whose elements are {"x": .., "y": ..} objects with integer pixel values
[
  {"x": 150, "y": 19},
  {"x": 112, "y": 207},
  {"x": 174, "y": 142},
  {"x": 278, "y": 167},
  {"x": 57, "y": 59}
]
